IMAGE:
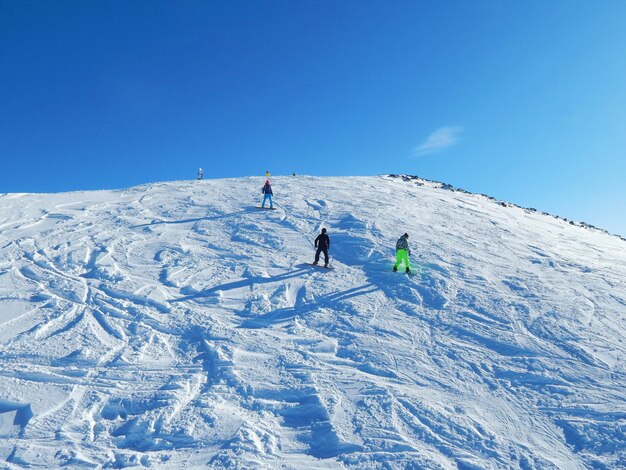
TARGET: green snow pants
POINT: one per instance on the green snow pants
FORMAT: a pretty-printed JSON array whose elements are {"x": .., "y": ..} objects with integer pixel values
[{"x": 402, "y": 255}]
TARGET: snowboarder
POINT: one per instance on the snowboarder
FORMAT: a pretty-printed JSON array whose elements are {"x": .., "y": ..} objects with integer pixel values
[
  {"x": 322, "y": 243},
  {"x": 200, "y": 173},
  {"x": 267, "y": 194},
  {"x": 267, "y": 174},
  {"x": 403, "y": 253}
]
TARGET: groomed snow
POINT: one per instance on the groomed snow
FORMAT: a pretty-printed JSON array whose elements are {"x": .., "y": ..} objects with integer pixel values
[{"x": 175, "y": 325}]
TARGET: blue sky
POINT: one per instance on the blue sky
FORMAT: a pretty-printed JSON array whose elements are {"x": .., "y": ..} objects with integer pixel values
[{"x": 522, "y": 100}]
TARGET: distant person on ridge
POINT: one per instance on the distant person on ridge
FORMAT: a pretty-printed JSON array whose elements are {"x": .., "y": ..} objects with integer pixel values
[
  {"x": 200, "y": 173},
  {"x": 267, "y": 174},
  {"x": 403, "y": 253},
  {"x": 322, "y": 243},
  {"x": 267, "y": 194}
]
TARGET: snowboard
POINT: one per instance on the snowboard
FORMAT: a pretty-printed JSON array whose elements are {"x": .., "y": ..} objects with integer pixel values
[
  {"x": 319, "y": 266},
  {"x": 266, "y": 208},
  {"x": 411, "y": 274}
]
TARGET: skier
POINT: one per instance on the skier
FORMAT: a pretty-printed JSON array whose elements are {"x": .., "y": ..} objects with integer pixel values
[
  {"x": 267, "y": 194},
  {"x": 200, "y": 173},
  {"x": 322, "y": 243},
  {"x": 267, "y": 174},
  {"x": 403, "y": 253}
]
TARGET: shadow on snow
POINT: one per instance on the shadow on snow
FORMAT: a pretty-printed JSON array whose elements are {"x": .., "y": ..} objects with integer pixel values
[
  {"x": 323, "y": 301},
  {"x": 249, "y": 282}
]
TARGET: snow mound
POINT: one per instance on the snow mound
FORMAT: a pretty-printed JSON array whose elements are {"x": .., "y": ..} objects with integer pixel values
[{"x": 176, "y": 325}]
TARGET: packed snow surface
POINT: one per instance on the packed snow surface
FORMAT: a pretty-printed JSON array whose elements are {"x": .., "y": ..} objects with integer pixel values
[{"x": 176, "y": 325}]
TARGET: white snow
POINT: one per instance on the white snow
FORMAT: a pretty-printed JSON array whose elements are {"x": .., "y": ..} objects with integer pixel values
[{"x": 175, "y": 325}]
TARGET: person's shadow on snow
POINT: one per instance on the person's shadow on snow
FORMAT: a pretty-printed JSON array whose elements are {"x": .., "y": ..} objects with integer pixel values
[
  {"x": 194, "y": 294},
  {"x": 189, "y": 221},
  {"x": 282, "y": 314}
]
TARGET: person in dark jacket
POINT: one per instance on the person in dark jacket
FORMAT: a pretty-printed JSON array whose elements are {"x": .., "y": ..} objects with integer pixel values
[
  {"x": 322, "y": 243},
  {"x": 267, "y": 194}
]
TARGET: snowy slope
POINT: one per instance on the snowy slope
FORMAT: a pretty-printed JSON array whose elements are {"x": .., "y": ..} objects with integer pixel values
[{"x": 174, "y": 325}]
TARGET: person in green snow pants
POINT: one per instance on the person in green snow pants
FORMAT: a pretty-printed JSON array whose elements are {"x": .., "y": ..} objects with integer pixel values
[{"x": 402, "y": 253}]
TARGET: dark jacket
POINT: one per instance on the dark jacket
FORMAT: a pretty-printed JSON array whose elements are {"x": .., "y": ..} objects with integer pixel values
[
  {"x": 267, "y": 189},
  {"x": 322, "y": 241},
  {"x": 403, "y": 244}
]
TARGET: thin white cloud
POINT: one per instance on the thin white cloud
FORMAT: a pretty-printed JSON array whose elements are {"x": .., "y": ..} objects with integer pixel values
[{"x": 442, "y": 138}]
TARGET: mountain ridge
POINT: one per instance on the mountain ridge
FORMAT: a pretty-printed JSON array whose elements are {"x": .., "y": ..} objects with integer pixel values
[
  {"x": 417, "y": 179},
  {"x": 405, "y": 177}
]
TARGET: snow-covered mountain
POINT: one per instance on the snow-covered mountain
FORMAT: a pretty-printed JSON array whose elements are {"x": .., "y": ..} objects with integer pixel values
[{"x": 175, "y": 325}]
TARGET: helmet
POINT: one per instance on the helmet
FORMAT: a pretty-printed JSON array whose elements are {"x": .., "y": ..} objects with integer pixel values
[
  {"x": 323, "y": 230},
  {"x": 406, "y": 235}
]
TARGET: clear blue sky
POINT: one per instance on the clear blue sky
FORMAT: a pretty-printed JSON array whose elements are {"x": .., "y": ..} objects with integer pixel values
[{"x": 522, "y": 100}]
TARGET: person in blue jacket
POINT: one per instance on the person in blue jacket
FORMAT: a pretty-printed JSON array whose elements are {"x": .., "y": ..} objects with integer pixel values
[{"x": 267, "y": 194}]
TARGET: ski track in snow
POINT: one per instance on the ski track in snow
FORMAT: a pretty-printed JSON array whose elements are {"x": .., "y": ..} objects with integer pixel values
[{"x": 175, "y": 325}]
